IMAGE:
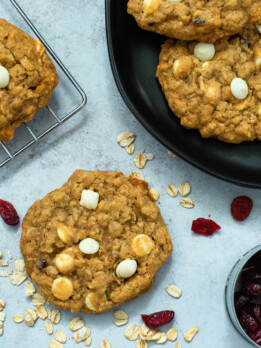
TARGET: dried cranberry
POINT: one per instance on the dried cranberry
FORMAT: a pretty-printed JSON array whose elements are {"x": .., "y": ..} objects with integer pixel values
[
  {"x": 256, "y": 336},
  {"x": 157, "y": 319},
  {"x": 251, "y": 274},
  {"x": 253, "y": 288},
  {"x": 240, "y": 300},
  {"x": 248, "y": 322},
  {"x": 8, "y": 213},
  {"x": 205, "y": 227},
  {"x": 257, "y": 312},
  {"x": 241, "y": 207},
  {"x": 255, "y": 300},
  {"x": 41, "y": 264}
]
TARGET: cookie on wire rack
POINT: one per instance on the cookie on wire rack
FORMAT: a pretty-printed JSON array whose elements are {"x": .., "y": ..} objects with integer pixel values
[{"x": 27, "y": 78}]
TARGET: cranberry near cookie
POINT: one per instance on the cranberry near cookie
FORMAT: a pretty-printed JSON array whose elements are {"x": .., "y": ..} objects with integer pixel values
[
  {"x": 96, "y": 242},
  {"x": 215, "y": 88}
]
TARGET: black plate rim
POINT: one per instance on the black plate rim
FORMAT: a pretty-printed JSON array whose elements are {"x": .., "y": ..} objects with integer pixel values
[{"x": 139, "y": 117}]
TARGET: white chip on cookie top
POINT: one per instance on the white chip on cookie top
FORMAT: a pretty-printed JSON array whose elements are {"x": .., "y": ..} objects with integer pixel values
[
  {"x": 89, "y": 199},
  {"x": 142, "y": 245},
  {"x": 64, "y": 263},
  {"x": 4, "y": 77},
  {"x": 63, "y": 233},
  {"x": 175, "y": 0},
  {"x": 89, "y": 246},
  {"x": 62, "y": 288},
  {"x": 126, "y": 268},
  {"x": 259, "y": 28},
  {"x": 150, "y": 6},
  {"x": 204, "y": 51},
  {"x": 239, "y": 88}
]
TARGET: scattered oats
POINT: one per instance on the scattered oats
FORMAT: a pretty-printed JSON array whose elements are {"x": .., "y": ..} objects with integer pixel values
[
  {"x": 173, "y": 290},
  {"x": 141, "y": 343},
  {"x": 172, "y": 190},
  {"x": 9, "y": 255},
  {"x": 18, "y": 278},
  {"x": 18, "y": 318},
  {"x": 141, "y": 159},
  {"x": 105, "y": 344},
  {"x": 171, "y": 154},
  {"x": 88, "y": 342},
  {"x": 38, "y": 300},
  {"x": 82, "y": 334},
  {"x": 76, "y": 324},
  {"x": 19, "y": 265},
  {"x": 30, "y": 317},
  {"x": 1, "y": 328},
  {"x": 178, "y": 345},
  {"x": 54, "y": 344},
  {"x": 163, "y": 338},
  {"x": 30, "y": 289},
  {"x": 184, "y": 189},
  {"x": 2, "y": 316},
  {"x": 3, "y": 263},
  {"x": 60, "y": 336},
  {"x": 41, "y": 312},
  {"x": 55, "y": 316},
  {"x": 154, "y": 194},
  {"x": 0, "y": 254},
  {"x": 172, "y": 334},
  {"x": 120, "y": 322},
  {"x": 186, "y": 203},
  {"x": 136, "y": 175},
  {"x": 144, "y": 330},
  {"x": 120, "y": 314},
  {"x": 5, "y": 273},
  {"x": 49, "y": 313},
  {"x": 130, "y": 149},
  {"x": 153, "y": 335},
  {"x": 49, "y": 327},
  {"x": 131, "y": 332},
  {"x": 125, "y": 138},
  {"x": 189, "y": 335},
  {"x": 2, "y": 304}
]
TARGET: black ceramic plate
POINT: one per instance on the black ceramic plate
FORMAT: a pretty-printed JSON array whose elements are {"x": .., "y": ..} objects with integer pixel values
[{"x": 134, "y": 58}]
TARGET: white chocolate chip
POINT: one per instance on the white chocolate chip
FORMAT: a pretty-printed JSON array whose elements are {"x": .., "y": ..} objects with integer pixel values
[
  {"x": 239, "y": 88},
  {"x": 89, "y": 199},
  {"x": 4, "y": 77},
  {"x": 89, "y": 246},
  {"x": 259, "y": 28},
  {"x": 204, "y": 51},
  {"x": 62, "y": 288},
  {"x": 142, "y": 245},
  {"x": 89, "y": 301},
  {"x": 150, "y": 6},
  {"x": 64, "y": 263},
  {"x": 126, "y": 268},
  {"x": 175, "y": 0}
]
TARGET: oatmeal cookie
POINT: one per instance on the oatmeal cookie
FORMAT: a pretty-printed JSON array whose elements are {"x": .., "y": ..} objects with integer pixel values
[
  {"x": 203, "y": 20},
  {"x": 215, "y": 88},
  {"x": 95, "y": 243},
  {"x": 32, "y": 76}
]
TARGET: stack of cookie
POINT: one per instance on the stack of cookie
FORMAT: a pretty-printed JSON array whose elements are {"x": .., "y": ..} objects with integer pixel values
[{"x": 212, "y": 84}]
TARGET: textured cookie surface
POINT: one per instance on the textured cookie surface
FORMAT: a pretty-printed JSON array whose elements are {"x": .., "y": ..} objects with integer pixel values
[
  {"x": 203, "y": 20},
  {"x": 127, "y": 224},
  {"x": 199, "y": 92},
  {"x": 32, "y": 78}
]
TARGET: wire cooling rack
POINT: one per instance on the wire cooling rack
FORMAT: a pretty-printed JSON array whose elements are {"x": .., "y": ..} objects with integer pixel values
[{"x": 48, "y": 118}]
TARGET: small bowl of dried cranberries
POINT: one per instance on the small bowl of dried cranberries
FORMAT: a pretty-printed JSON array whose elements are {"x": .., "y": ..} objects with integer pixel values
[{"x": 243, "y": 296}]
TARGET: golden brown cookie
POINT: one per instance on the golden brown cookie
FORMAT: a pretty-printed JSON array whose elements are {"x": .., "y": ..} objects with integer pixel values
[
  {"x": 95, "y": 243},
  {"x": 32, "y": 74},
  {"x": 221, "y": 96},
  {"x": 203, "y": 20}
]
